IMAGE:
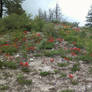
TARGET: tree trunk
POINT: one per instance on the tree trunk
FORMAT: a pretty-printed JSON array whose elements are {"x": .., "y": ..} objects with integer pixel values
[{"x": 1, "y": 9}]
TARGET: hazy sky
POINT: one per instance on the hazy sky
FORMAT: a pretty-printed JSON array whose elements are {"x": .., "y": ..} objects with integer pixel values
[{"x": 74, "y": 10}]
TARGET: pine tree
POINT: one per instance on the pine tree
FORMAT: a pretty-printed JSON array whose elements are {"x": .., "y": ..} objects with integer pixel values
[
  {"x": 40, "y": 13},
  {"x": 51, "y": 15},
  {"x": 89, "y": 18},
  {"x": 13, "y": 6},
  {"x": 57, "y": 13},
  {"x": 45, "y": 16}
]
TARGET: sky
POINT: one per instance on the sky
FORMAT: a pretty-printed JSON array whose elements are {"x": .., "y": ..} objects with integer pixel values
[{"x": 73, "y": 10}]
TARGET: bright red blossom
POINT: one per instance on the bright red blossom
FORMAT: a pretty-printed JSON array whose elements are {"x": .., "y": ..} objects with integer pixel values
[
  {"x": 31, "y": 48},
  {"x": 71, "y": 76},
  {"x": 26, "y": 64},
  {"x": 38, "y": 34},
  {"x": 76, "y": 49},
  {"x": 6, "y": 45},
  {"x": 25, "y": 32},
  {"x": 73, "y": 54},
  {"x": 51, "y": 59},
  {"x": 21, "y": 63},
  {"x": 51, "y": 39},
  {"x": 67, "y": 59}
]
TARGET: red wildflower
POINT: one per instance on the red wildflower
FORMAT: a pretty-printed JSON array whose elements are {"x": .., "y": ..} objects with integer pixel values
[
  {"x": 15, "y": 45},
  {"x": 21, "y": 63},
  {"x": 67, "y": 59},
  {"x": 74, "y": 43},
  {"x": 51, "y": 39},
  {"x": 51, "y": 59},
  {"x": 76, "y": 49},
  {"x": 6, "y": 41},
  {"x": 59, "y": 39},
  {"x": 38, "y": 34},
  {"x": 31, "y": 48},
  {"x": 16, "y": 39},
  {"x": 6, "y": 45},
  {"x": 71, "y": 76},
  {"x": 65, "y": 48},
  {"x": 24, "y": 39},
  {"x": 91, "y": 55},
  {"x": 25, "y": 32},
  {"x": 74, "y": 54},
  {"x": 0, "y": 45},
  {"x": 7, "y": 54},
  {"x": 26, "y": 64}
]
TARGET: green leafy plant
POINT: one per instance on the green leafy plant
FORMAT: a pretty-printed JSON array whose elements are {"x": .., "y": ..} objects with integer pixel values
[
  {"x": 62, "y": 64},
  {"x": 8, "y": 49},
  {"x": 44, "y": 73},
  {"x": 1, "y": 64},
  {"x": 21, "y": 80},
  {"x": 14, "y": 21},
  {"x": 63, "y": 75},
  {"x": 75, "y": 68},
  {"x": 74, "y": 82},
  {"x": 10, "y": 64},
  {"x": 25, "y": 69},
  {"x": 4, "y": 87},
  {"x": 56, "y": 71},
  {"x": 67, "y": 90}
]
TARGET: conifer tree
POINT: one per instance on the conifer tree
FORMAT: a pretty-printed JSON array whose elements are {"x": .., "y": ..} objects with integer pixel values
[
  {"x": 89, "y": 18},
  {"x": 11, "y": 6},
  {"x": 57, "y": 13}
]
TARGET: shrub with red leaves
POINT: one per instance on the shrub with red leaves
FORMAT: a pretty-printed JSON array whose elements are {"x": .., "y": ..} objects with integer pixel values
[
  {"x": 59, "y": 39},
  {"x": 25, "y": 32},
  {"x": 51, "y": 39}
]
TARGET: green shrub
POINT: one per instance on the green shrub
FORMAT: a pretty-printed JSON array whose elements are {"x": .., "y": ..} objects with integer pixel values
[
  {"x": 37, "y": 24},
  {"x": 53, "y": 52},
  {"x": 10, "y": 64},
  {"x": 45, "y": 45},
  {"x": 21, "y": 80},
  {"x": 8, "y": 49},
  {"x": 13, "y": 21},
  {"x": 44, "y": 73},
  {"x": 1, "y": 64},
  {"x": 67, "y": 90},
  {"x": 49, "y": 30},
  {"x": 4, "y": 87},
  {"x": 16, "y": 34},
  {"x": 25, "y": 69},
  {"x": 74, "y": 82},
  {"x": 75, "y": 68},
  {"x": 62, "y": 64},
  {"x": 63, "y": 75}
]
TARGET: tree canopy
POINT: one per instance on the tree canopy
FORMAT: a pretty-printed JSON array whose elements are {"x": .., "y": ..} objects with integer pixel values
[
  {"x": 89, "y": 18},
  {"x": 11, "y": 6}
]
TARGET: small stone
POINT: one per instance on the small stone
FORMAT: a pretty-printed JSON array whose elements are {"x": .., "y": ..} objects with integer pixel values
[
  {"x": 89, "y": 86},
  {"x": 2, "y": 82},
  {"x": 17, "y": 55},
  {"x": 31, "y": 59}
]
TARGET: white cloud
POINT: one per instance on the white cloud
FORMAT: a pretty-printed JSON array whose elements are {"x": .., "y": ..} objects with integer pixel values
[{"x": 76, "y": 9}]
